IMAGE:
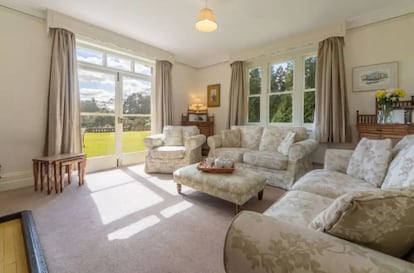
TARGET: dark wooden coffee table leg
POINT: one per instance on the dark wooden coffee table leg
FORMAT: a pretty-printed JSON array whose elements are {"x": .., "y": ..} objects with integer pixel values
[
  {"x": 179, "y": 188},
  {"x": 260, "y": 195}
]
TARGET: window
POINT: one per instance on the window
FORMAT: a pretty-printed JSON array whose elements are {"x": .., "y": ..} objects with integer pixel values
[
  {"x": 255, "y": 90},
  {"x": 282, "y": 91},
  {"x": 115, "y": 92},
  {"x": 309, "y": 89}
]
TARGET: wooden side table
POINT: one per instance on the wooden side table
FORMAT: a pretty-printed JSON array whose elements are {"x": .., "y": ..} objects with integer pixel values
[{"x": 46, "y": 165}]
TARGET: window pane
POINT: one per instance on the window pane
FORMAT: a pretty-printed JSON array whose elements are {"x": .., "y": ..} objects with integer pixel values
[
  {"x": 89, "y": 56},
  {"x": 98, "y": 135},
  {"x": 119, "y": 63},
  {"x": 254, "y": 109},
  {"x": 280, "y": 108},
  {"x": 97, "y": 91},
  {"x": 281, "y": 77},
  {"x": 310, "y": 71},
  {"x": 308, "y": 106},
  {"x": 137, "y": 96},
  {"x": 255, "y": 81},
  {"x": 142, "y": 69},
  {"x": 135, "y": 129}
]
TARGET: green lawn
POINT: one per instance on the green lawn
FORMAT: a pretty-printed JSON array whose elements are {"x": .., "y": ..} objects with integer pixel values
[{"x": 99, "y": 144}]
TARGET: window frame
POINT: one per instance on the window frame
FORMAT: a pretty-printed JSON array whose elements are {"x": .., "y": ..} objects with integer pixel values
[{"x": 298, "y": 57}]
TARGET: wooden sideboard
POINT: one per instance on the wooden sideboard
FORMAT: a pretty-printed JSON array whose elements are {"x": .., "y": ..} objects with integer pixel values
[
  {"x": 368, "y": 126},
  {"x": 206, "y": 128}
]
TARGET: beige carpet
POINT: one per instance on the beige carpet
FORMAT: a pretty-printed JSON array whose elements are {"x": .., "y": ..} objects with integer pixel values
[{"x": 124, "y": 220}]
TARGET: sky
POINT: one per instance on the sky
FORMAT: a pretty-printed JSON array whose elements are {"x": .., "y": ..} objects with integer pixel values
[{"x": 101, "y": 86}]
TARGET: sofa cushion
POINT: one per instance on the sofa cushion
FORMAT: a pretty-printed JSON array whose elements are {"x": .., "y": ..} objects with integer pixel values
[
  {"x": 330, "y": 183},
  {"x": 273, "y": 136},
  {"x": 173, "y": 136},
  {"x": 401, "y": 171},
  {"x": 298, "y": 207},
  {"x": 370, "y": 160},
  {"x": 235, "y": 154},
  {"x": 379, "y": 219},
  {"x": 168, "y": 152},
  {"x": 286, "y": 143},
  {"x": 270, "y": 160},
  {"x": 189, "y": 131},
  {"x": 250, "y": 136},
  {"x": 402, "y": 144},
  {"x": 230, "y": 138}
]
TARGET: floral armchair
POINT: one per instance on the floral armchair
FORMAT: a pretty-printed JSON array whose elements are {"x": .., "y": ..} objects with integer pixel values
[{"x": 176, "y": 147}]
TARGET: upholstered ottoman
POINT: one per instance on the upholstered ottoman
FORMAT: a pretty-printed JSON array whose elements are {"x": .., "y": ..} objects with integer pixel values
[{"x": 237, "y": 187}]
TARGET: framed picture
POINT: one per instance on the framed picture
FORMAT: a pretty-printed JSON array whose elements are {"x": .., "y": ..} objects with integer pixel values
[
  {"x": 197, "y": 117},
  {"x": 213, "y": 95},
  {"x": 375, "y": 77}
]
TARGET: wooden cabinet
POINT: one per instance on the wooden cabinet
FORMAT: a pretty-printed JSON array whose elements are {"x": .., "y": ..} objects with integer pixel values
[
  {"x": 380, "y": 131},
  {"x": 368, "y": 127},
  {"x": 206, "y": 128}
]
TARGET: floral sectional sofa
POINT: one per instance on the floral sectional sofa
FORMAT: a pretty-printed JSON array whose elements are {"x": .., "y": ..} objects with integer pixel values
[
  {"x": 281, "y": 154},
  {"x": 355, "y": 215}
]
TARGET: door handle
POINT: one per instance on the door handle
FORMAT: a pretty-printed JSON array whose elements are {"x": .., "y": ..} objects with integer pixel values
[{"x": 120, "y": 120}]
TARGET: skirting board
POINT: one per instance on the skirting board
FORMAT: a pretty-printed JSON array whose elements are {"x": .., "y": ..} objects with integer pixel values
[{"x": 15, "y": 180}]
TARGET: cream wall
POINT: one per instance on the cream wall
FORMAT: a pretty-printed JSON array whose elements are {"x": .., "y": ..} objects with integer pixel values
[
  {"x": 387, "y": 41},
  {"x": 25, "y": 59},
  {"x": 221, "y": 74}
]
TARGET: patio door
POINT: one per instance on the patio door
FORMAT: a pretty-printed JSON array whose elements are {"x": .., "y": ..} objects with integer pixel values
[{"x": 115, "y": 117}]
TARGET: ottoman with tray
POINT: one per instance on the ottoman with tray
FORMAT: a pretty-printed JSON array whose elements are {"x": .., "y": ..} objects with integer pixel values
[{"x": 236, "y": 187}]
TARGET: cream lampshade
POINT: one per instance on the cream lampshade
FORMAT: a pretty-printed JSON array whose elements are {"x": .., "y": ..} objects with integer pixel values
[{"x": 206, "y": 21}]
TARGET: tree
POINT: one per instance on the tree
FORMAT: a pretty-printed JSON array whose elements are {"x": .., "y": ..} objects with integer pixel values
[
  {"x": 255, "y": 81},
  {"x": 137, "y": 103},
  {"x": 89, "y": 106}
]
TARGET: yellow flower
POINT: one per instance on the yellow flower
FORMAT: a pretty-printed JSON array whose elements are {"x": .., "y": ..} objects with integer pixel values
[
  {"x": 380, "y": 94},
  {"x": 399, "y": 93}
]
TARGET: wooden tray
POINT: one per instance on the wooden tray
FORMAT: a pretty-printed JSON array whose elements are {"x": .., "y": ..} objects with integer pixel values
[{"x": 202, "y": 167}]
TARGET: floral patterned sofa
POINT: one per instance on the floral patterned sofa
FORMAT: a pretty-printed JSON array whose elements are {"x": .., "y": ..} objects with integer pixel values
[
  {"x": 281, "y": 154},
  {"x": 176, "y": 147},
  {"x": 355, "y": 215}
]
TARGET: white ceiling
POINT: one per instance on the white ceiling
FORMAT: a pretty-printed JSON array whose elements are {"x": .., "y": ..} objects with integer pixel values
[{"x": 242, "y": 24}]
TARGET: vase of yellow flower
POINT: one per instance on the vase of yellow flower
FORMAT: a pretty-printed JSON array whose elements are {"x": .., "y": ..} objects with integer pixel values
[{"x": 386, "y": 100}]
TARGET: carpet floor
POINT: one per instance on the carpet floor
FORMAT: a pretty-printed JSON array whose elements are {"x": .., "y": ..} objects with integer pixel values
[{"x": 124, "y": 220}]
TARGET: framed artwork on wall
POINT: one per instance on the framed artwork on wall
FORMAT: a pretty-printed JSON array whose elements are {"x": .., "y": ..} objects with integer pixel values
[
  {"x": 197, "y": 117},
  {"x": 375, "y": 77},
  {"x": 213, "y": 95}
]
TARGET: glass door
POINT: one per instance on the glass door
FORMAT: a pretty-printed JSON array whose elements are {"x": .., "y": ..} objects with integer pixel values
[
  {"x": 135, "y": 115},
  {"x": 98, "y": 117}
]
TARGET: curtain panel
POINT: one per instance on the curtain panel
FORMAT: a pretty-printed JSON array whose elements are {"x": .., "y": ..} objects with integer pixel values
[
  {"x": 63, "y": 119},
  {"x": 237, "y": 97},
  {"x": 331, "y": 106},
  {"x": 162, "y": 112}
]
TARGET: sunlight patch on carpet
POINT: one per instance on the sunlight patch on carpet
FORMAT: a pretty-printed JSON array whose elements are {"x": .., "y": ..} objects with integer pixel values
[
  {"x": 108, "y": 179},
  {"x": 117, "y": 202},
  {"x": 177, "y": 208},
  {"x": 132, "y": 229}
]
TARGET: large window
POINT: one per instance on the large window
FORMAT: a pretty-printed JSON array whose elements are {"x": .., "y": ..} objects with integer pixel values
[
  {"x": 282, "y": 91},
  {"x": 115, "y": 92}
]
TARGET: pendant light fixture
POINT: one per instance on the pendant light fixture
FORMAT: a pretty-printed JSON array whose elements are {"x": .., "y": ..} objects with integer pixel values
[{"x": 206, "y": 21}]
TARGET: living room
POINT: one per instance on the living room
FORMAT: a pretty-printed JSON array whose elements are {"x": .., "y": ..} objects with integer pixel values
[{"x": 377, "y": 34}]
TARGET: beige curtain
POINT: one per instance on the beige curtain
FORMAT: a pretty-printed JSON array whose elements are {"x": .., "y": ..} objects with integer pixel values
[
  {"x": 331, "y": 107},
  {"x": 162, "y": 112},
  {"x": 237, "y": 99},
  {"x": 63, "y": 121}
]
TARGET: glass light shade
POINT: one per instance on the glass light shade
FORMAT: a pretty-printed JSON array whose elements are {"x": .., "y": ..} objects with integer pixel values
[{"x": 206, "y": 21}]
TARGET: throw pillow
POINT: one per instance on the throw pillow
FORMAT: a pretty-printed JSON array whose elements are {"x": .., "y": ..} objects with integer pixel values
[
  {"x": 370, "y": 160},
  {"x": 173, "y": 136},
  {"x": 379, "y": 219},
  {"x": 286, "y": 143},
  {"x": 402, "y": 144},
  {"x": 401, "y": 171},
  {"x": 231, "y": 138}
]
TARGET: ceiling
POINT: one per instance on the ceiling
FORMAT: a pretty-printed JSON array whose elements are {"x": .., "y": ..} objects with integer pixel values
[{"x": 242, "y": 24}]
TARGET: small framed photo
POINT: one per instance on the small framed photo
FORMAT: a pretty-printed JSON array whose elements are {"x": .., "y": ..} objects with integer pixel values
[
  {"x": 197, "y": 117},
  {"x": 213, "y": 95},
  {"x": 375, "y": 77}
]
